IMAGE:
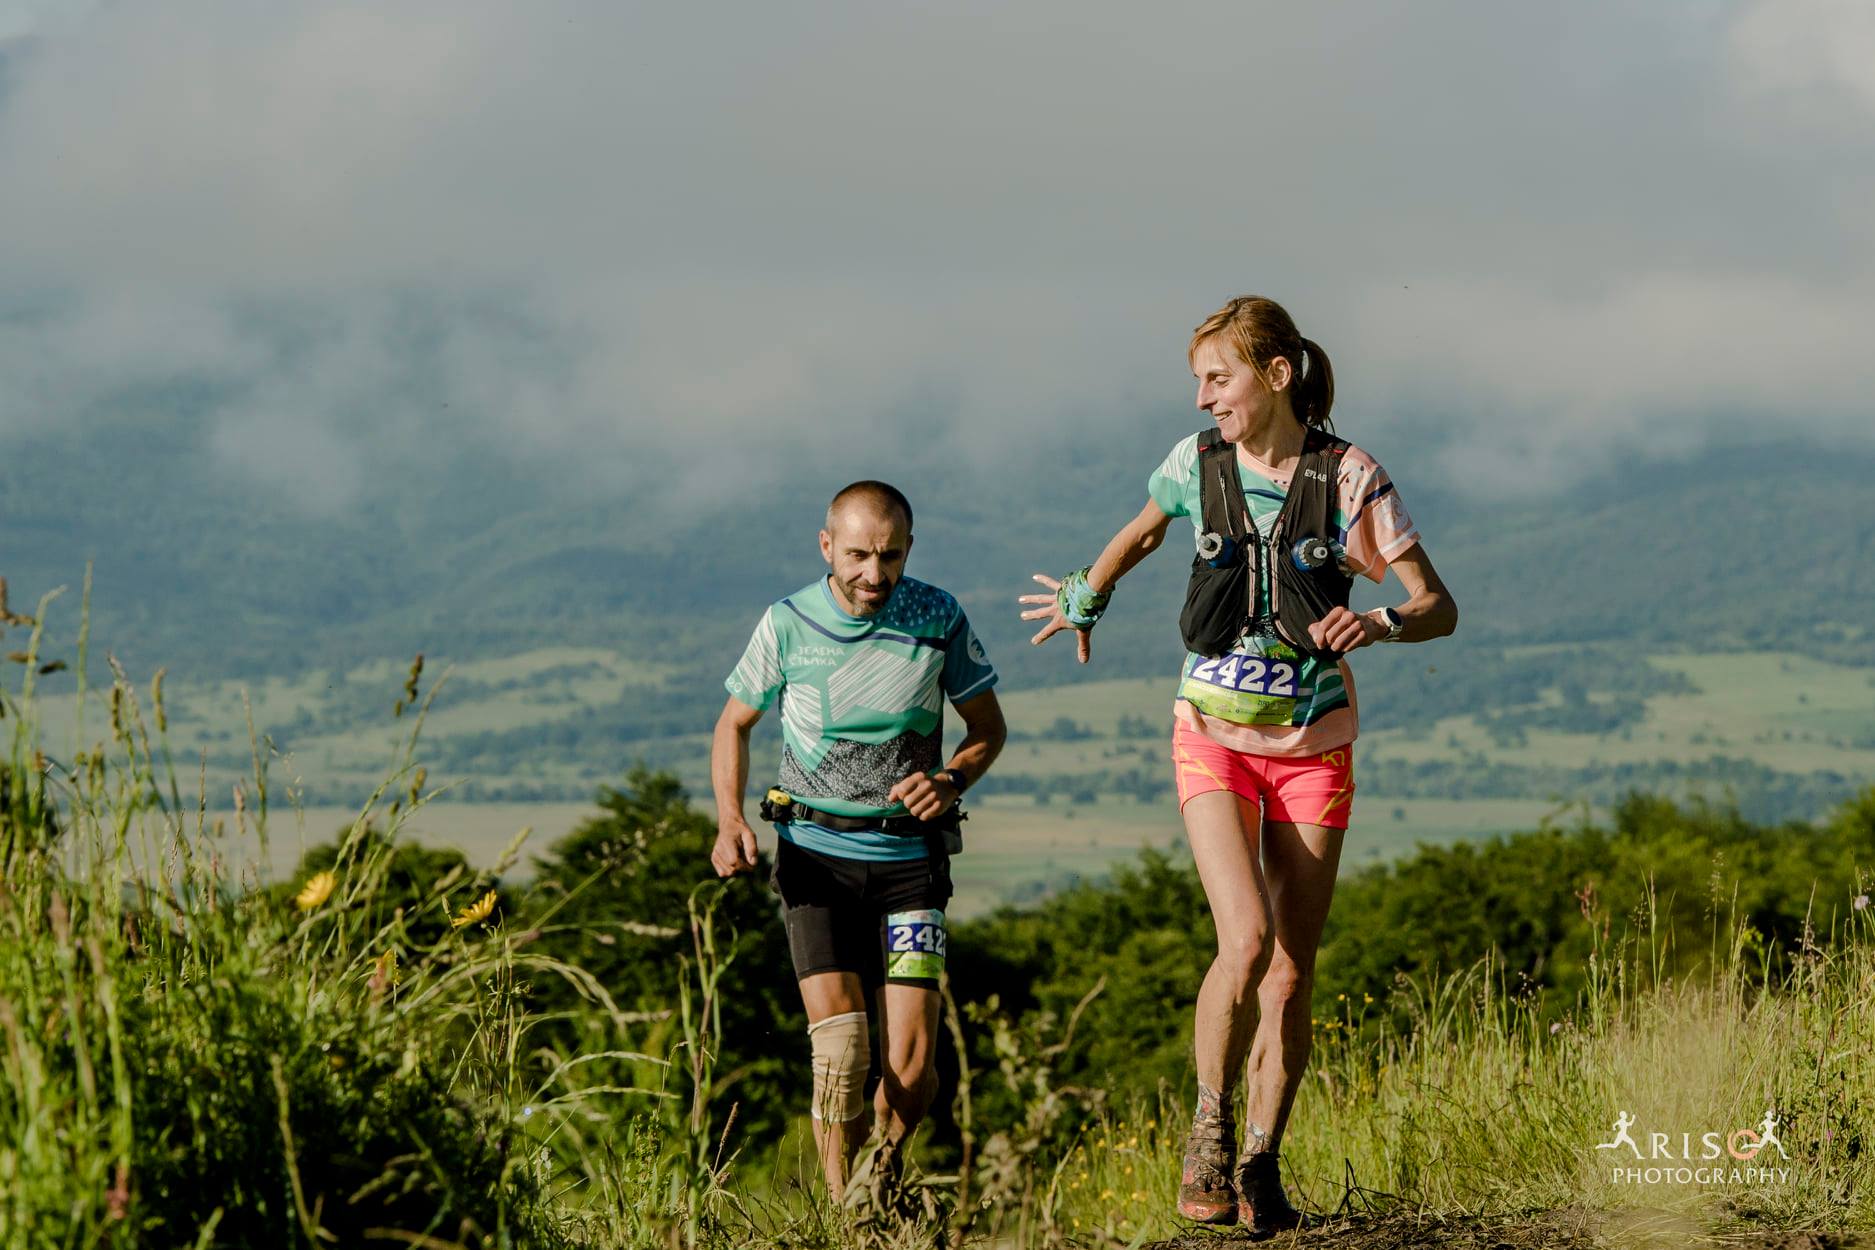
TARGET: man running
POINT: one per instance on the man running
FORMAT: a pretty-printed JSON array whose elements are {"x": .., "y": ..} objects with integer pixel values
[{"x": 861, "y": 661}]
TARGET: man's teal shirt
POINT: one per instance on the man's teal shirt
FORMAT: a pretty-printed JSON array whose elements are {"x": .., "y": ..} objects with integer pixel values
[{"x": 862, "y": 702}]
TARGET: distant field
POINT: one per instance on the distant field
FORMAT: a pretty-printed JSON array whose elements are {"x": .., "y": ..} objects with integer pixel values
[
  {"x": 339, "y": 734},
  {"x": 1013, "y": 848},
  {"x": 1790, "y": 713},
  {"x": 336, "y": 739},
  {"x": 480, "y": 830}
]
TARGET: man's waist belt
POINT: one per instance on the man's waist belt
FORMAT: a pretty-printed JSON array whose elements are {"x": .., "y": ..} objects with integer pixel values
[{"x": 782, "y": 808}]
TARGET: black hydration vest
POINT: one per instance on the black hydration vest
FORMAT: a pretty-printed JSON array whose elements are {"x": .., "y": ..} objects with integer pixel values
[{"x": 1220, "y": 602}]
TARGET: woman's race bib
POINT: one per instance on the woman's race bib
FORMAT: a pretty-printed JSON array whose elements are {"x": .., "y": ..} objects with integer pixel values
[{"x": 1258, "y": 683}]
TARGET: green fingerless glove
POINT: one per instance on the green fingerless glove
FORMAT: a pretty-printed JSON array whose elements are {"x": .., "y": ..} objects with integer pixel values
[{"x": 1079, "y": 602}]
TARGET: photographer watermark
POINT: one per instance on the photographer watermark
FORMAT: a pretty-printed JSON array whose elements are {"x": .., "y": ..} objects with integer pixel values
[{"x": 1737, "y": 1158}]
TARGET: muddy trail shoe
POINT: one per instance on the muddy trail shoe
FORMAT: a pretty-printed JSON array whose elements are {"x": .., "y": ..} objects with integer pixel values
[
  {"x": 881, "y": 1197},
  {"x": 1261, "y": 1204},
  {"x": 1204, "y": 1188}
]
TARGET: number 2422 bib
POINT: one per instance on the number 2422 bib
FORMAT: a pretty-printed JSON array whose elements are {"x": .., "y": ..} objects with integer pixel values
[{"x": 1248, "y": 689}]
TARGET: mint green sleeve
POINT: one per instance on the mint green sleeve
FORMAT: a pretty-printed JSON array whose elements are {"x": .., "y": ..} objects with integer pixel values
[
  {"x": 1173, "y": 484},
  {"x": 757, "y": 678},
  {"x": 967, "y": 672}
]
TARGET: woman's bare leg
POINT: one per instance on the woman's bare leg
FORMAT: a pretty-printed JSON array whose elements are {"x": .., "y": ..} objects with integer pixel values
[
  {"x": 1222, "y": 830},
  {"x": 1299, "y": 863}
]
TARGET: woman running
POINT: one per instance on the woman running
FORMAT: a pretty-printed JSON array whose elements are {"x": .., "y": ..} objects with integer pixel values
[{"x": 1264, "y": 720}]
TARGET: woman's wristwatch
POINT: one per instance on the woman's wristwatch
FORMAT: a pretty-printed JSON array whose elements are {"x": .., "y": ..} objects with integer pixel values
[
  {"x": 954, "y": 776},
  {"x": 1391, "y": 620}
]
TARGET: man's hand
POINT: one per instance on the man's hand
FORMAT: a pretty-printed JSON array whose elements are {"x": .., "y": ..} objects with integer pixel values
[
  {"x": 734, "y": 851},
  {"x": 925, "y": 797},
  {"x": 1344, "y": 631},
  {"x": 1046, "y": 609}
]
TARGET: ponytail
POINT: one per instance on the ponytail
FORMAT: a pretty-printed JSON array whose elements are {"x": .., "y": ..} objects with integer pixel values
[{"x": 1315, "y": 387}]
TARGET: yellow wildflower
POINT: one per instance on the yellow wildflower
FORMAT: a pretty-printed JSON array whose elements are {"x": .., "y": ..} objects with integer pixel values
[
  {"x": 316, "y": 891},
  {"x": 475, "y": 912}
]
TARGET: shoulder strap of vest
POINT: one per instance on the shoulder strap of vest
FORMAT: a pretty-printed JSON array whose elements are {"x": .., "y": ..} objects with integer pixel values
[
  {"x": 1324, "y": 444},
  {"x": 1311, "y": 497},
  {"x": 1220, "y": 486}
]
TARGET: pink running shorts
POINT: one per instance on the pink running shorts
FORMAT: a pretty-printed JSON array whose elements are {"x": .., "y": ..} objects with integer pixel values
[{"x": 1303, "y": 790}]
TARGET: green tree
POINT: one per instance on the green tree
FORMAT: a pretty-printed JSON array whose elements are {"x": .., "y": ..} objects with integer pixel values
[{"x": 612, "y": 897}]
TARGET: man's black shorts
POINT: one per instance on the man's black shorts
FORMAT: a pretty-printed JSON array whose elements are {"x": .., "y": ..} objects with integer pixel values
[{"x": 837, "y": 911}]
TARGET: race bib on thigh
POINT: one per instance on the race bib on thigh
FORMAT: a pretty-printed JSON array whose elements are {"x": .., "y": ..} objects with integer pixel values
[
  {"x": 1247, "y": 689},
  {"x": 915, "y": 942}
]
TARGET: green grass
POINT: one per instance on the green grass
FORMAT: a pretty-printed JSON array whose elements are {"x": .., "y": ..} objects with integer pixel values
[
  {"x": 1479, "y": 1108},
  {"x": 195, "y": 1058},
  {"x": 196, "y": 1055}
]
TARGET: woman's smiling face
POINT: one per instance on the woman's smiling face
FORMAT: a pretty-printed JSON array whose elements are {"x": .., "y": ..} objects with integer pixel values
[{"x": 1231, "y": 391}]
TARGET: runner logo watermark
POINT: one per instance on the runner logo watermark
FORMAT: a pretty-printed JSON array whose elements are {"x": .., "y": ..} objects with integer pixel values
[{"x": 1699, "y": 1159}]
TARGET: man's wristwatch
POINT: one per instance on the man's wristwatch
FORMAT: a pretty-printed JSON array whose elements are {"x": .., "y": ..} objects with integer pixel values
[
  {"x": 1393, "y": 623},
  {"x": 954, "y": 776}
]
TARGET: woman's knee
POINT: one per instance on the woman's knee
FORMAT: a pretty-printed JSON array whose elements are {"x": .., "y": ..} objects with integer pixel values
[
  {"x": 1286, "y": 981},
  {"x": 1245, "y": 955}
]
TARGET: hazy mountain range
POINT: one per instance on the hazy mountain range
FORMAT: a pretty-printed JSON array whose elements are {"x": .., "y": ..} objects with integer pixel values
[{"x": 1736, "y": 548}]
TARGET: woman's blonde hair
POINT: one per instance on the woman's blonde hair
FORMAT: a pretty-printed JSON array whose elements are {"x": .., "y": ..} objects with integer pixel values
[{"x": 1261, "y": 330}]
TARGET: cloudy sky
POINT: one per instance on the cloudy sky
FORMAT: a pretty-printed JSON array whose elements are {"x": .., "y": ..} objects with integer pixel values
[{"x": 584, "y": 236}]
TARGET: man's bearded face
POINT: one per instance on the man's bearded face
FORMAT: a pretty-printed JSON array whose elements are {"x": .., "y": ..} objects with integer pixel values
[{"x": 866, "y": 549}]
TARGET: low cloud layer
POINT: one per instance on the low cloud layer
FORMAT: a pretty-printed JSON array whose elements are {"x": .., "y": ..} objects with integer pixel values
[{"x": 588, "y": 237}]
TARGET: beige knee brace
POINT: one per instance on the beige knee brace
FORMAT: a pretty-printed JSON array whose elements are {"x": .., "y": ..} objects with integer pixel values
[{"x": 840, "y": 1062}]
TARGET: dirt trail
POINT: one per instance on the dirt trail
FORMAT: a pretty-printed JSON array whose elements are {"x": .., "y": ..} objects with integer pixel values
[{"x": 1549, "y": 1230}]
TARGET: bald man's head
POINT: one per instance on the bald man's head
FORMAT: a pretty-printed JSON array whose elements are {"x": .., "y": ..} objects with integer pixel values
[
  {"x": 867, "y": 538},
  {"x": 878, "y": 498}
]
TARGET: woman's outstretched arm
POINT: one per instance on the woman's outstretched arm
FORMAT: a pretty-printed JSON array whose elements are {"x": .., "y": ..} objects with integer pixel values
[{"x": 1137, "y": 539}]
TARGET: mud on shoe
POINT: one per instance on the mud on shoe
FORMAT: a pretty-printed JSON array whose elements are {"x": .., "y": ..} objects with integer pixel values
[
  {"x": 1261, "y": 1204},
  {"x": 1204, "y": 1187}
]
